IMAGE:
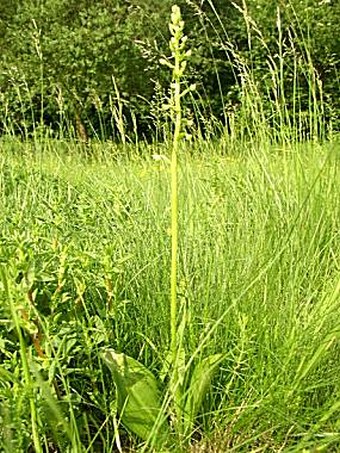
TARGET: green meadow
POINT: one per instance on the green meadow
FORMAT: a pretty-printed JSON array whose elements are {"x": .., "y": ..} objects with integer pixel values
[
  {"x": 85, "y": 257},
  {"x": 176, "y": 290}
]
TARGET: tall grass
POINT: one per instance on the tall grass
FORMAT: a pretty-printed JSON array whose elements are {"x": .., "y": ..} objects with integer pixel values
[
  {"x": 86, "y": 264},
  {"x": 259, "y": 271},
  {"x": 272, "y": 103}
]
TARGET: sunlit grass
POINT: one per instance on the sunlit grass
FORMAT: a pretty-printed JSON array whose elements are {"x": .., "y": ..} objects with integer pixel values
[{"x": 89, "y": 240}]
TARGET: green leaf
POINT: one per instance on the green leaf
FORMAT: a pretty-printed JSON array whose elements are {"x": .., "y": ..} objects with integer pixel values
[
  {"x": 139, "y": 398},
  {"x": 6, "y": 376},
  {"x": 176, "y": 382},
  {"x": 200, "y": 381},
  {"x": 165, "y": 370}
]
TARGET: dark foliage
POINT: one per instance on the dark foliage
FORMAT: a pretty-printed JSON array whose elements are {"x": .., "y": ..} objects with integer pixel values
[{"x": 78, "y": 65}]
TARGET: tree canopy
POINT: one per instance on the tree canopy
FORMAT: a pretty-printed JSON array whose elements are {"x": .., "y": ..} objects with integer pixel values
[{"x": 98, "y": 61}]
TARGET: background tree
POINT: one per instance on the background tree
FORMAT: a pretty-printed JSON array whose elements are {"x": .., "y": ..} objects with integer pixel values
[{"x": 73, "y": 62}]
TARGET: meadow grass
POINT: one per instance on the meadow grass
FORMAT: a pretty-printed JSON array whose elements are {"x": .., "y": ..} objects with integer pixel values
[
  {"x": 85, "y": 265},
  {"x": 242, "y": 238}
]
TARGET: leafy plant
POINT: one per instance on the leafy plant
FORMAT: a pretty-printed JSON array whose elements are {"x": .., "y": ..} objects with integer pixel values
[
  {"x": 139, "y": 399},
  {"x": 138, "y": 396},
  {"x": 27, "y": 378}
]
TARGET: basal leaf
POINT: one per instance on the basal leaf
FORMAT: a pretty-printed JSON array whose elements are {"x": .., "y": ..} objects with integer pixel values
[
  {"x": 198, "y": 386},
  {"x": 138, "y": 395}
]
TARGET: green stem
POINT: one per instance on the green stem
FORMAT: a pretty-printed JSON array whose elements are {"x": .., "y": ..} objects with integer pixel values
[
  {"x": 174, "y": 205},
  {"x": 25, "y": 365},
  {"x": 28, "y": 380}
]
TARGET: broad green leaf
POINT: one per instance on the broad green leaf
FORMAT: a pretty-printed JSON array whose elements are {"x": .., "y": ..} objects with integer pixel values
[
  {"x": 174, "y": 368},
  {"x": 198, "y": 386},
  {"x": 176, "y": 384},
  {"x": 138, "y": 395}
]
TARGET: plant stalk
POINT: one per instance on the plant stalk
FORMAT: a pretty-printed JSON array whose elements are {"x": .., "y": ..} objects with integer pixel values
[
  {"x": 25, "y": 365},
  {"x": 174, "y": 203}
]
